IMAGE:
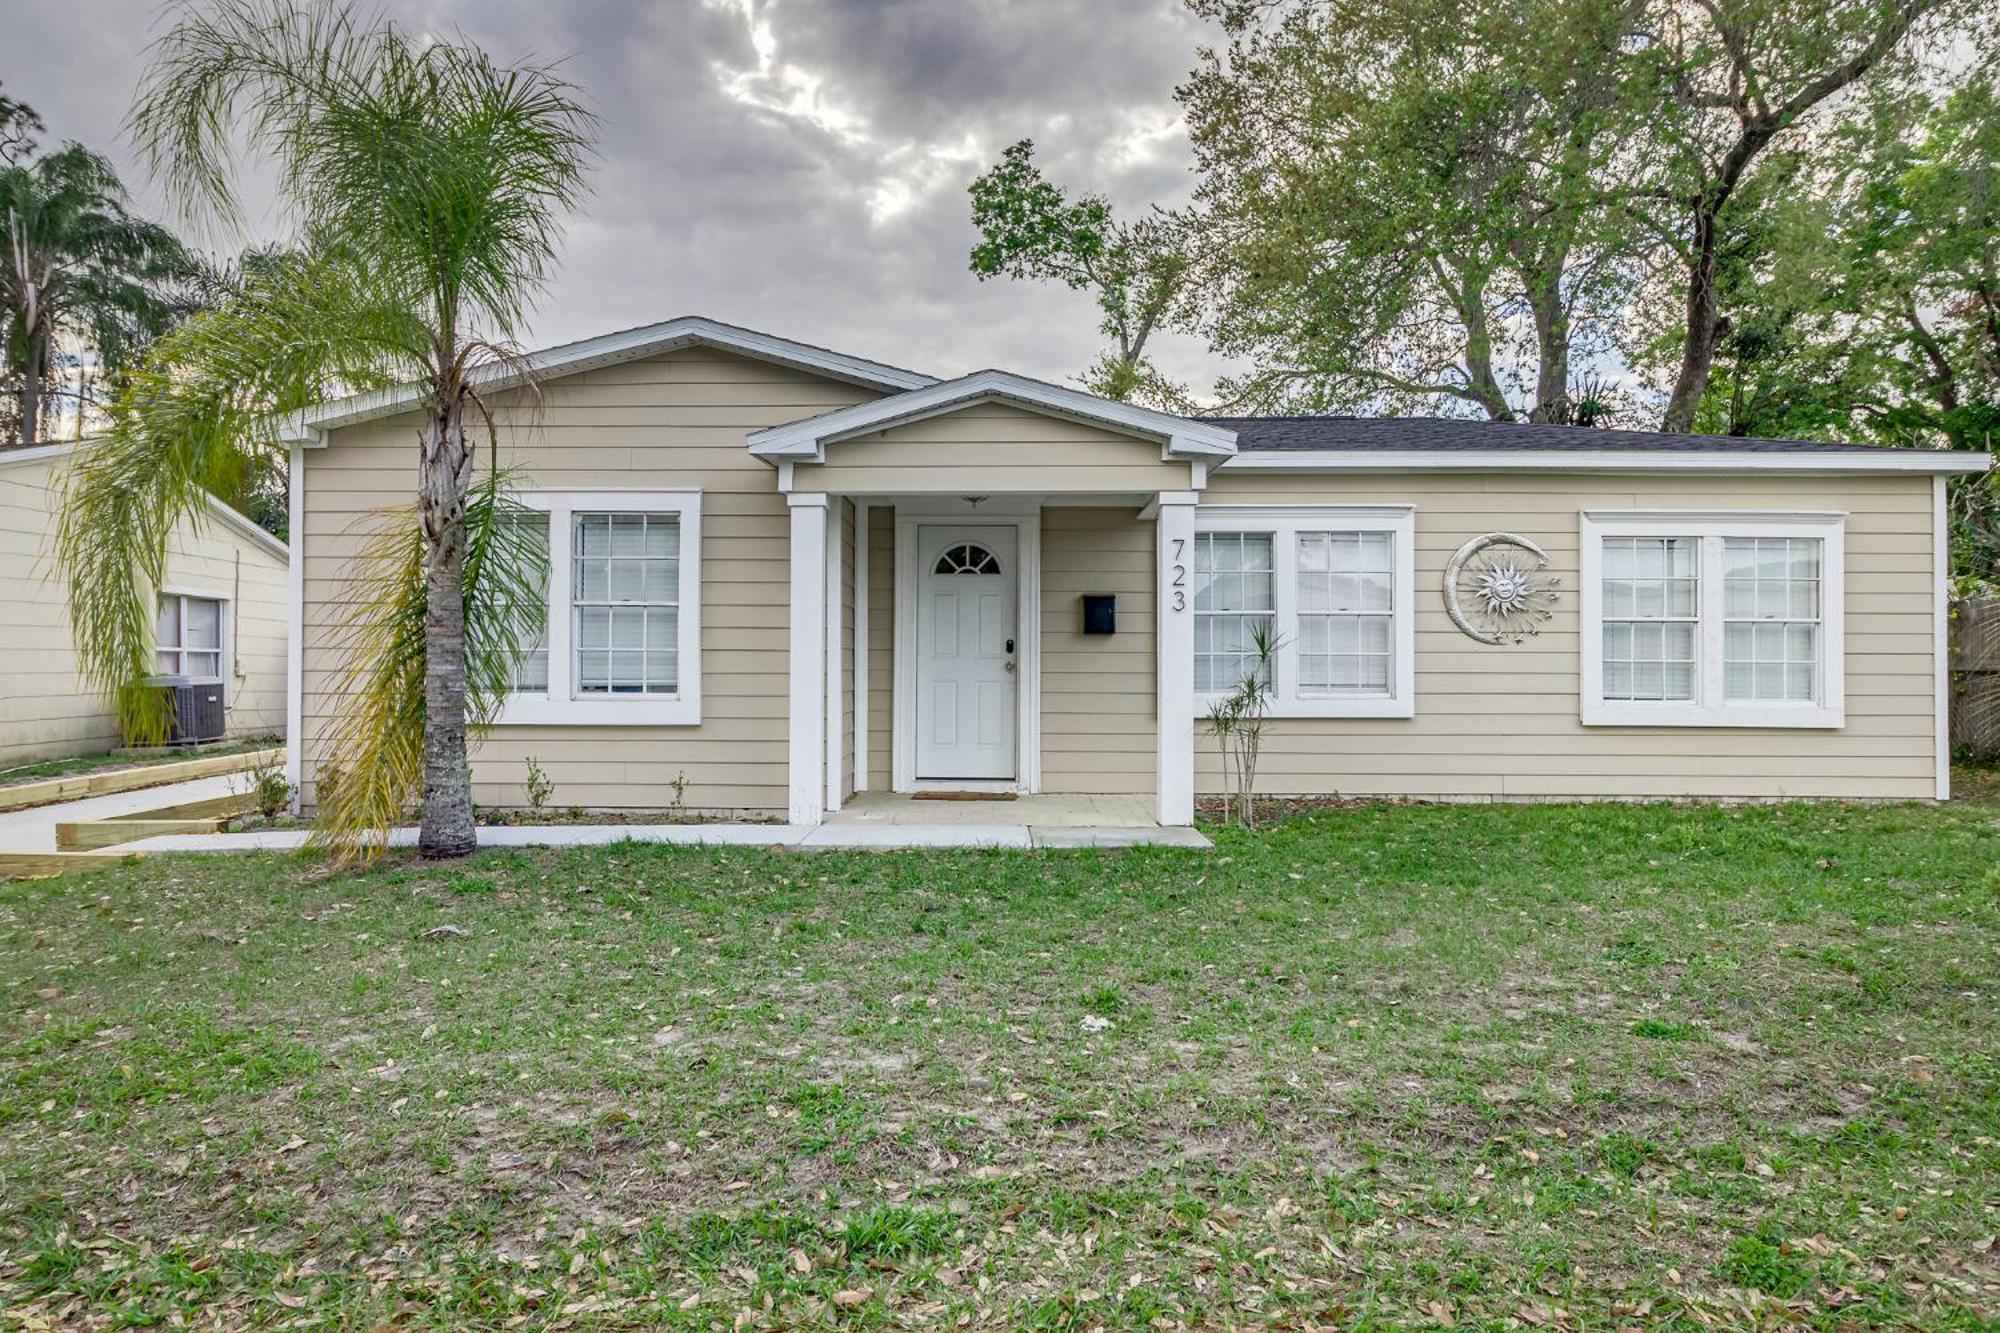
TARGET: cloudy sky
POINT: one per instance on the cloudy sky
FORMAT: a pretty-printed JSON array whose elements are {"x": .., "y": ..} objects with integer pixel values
[{"x": 794, "y": 165}]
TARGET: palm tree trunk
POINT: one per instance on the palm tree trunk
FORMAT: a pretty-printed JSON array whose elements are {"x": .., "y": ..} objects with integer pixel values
[
  {"x": 31, "y": 390},
  {"x": 445, "y": 474}
]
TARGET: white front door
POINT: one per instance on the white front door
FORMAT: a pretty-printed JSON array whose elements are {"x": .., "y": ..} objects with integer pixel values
[{"x": 966, "y": 662}]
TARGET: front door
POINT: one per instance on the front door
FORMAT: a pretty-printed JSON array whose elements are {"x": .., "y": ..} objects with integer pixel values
[{"x": 966, "y": 636}]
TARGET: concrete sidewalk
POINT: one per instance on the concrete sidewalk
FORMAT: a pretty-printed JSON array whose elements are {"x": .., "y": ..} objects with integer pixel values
[
  {"x": 34, "y": 829},
  {"x": 825, "y": 837}
]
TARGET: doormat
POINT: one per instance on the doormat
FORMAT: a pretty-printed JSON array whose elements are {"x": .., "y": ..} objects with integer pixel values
[{"x": 963, "y": 796}]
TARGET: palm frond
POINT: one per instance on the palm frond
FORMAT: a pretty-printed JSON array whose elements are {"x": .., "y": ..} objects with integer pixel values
[
  {"x": 195, "y": 420},
  {"x": 376, "y": 736}
]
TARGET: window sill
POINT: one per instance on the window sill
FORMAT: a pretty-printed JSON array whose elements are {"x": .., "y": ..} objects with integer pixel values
[
  {"x": 1378, "y": 707},
  {"x": 534, "y": 711},
  {"x": 1796, "y": 716}
]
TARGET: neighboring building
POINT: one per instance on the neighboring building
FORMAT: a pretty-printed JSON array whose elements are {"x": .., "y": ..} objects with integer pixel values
[
  {"x": 783, "y": 575},
  {"x": 222, "y": 616}
]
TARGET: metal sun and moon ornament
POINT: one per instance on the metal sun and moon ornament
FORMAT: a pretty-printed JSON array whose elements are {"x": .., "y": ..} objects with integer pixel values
[{"x": 1497, "y": 588}]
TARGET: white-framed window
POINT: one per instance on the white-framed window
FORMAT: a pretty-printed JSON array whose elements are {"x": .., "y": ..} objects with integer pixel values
[
  {"x": 188, "y": 636},
  {"x": 1729, "y": 619},
  {"x": 623, "y": 641},
  {"x": 1332, "y": 584}
]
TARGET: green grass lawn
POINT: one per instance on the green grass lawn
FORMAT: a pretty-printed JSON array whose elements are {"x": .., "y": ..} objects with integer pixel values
[
  {"x": 43, "y": 770},
  {"x": 1542, "y": 1066}
]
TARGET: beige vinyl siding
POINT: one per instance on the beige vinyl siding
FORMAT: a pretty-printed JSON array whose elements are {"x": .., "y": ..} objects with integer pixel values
[
  {"x": 1502, "y": 722},
  {"x": 46, "y": 709},
  {"x": 992, "y": 448},
  {"x": 881, "y": 645},
  {"x": 1099, "y": 733},
  {"x": 672, "y": 421}
]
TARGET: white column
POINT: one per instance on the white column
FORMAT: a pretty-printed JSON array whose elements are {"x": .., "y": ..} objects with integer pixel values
[
  {"x": 807, "y": 711},
  {"x": 295, "y": 630},
  {"x": 834, "y": 615},
  {"x": 861, "y": 645},
  {"x": 1174, "y": 643}
]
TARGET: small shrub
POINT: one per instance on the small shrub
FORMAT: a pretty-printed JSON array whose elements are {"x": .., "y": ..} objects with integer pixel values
[
  {"x": 539, "y": 786},
  {"x": 1660, "y": 1029},
  {"x": 270, "y": 789},
  {"x": 1762, "y": 1261}
]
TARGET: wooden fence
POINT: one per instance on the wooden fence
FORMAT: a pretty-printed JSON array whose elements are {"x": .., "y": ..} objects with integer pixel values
[{"x": 1975, "y": 678}]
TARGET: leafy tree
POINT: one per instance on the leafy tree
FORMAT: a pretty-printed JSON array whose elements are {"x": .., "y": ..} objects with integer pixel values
[
  {"x": 1030, "y": 228},
  {"x": 1733, "y": 78},
  {"x": 429, "y": 184},
  {"x": 1408, "y": 203},
  {"x": 77, "y": 265},
  {"x": 18, "y": 127}
]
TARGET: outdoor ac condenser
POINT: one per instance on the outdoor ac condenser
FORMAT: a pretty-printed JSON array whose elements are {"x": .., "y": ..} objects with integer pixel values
[{"x": 197, "y": 709}]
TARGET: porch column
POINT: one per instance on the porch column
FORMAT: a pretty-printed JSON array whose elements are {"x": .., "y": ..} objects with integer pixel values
[
  {"x": 806, "y": 714},
  {"x": 1174, "y": 642}
]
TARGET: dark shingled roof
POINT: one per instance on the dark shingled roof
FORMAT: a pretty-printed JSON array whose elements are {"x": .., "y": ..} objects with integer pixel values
[{"x": 1256, "y": 435}]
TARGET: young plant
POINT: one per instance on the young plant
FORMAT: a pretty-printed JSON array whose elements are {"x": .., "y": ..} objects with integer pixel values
[
  {"x": 1237, "y": 722},
  {"x": 539, "y": 787},
  {"x": 271, "y": 789}
]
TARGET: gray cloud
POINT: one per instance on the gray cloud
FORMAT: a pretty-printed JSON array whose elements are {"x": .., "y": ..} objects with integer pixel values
[{"x": 794, "y": 165}]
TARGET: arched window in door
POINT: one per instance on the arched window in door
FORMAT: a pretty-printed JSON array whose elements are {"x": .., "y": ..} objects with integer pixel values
[{"x": 966, "y": 558}]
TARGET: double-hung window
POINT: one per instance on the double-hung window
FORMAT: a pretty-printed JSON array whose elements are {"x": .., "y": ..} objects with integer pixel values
[
  {"x": 1329, "y": 586},
  {"x": 622, "y": 643},
  {"x": 187, "y": 636},
  {"x": 1716, "y": 619}
]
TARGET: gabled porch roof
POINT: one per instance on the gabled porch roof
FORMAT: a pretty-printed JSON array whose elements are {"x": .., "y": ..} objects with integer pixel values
[{"x": 1178, "y": 437}]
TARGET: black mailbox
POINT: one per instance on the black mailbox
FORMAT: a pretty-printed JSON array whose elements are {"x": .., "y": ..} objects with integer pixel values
[{"x": 1100, "y": 613}]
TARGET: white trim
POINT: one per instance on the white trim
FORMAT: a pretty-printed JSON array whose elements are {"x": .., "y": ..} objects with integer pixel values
[
  {"x": 38, "y": 453},
  {"x": 861, "y": 511},
  {"x": 295, "y": 627},
  {"x": 1173, "y": 642},
  {"x": 806, "y": 725},
  {"x": 834, "y": 795},
  {"x": 1859, "y": 459},
  {"x": 1027, "y": 523},
  {"x": 1285, "y": 523},
  {"x": 806, "y": 441},
  {"x": 561, "y": 705},
  {"x": 243, "y": 526},
  {"x": 310, "y": 426},
  {"x": 1708, "y": 708},
  {"x": 1941, "y": 633},
  {"x": 225, "y": 635}
]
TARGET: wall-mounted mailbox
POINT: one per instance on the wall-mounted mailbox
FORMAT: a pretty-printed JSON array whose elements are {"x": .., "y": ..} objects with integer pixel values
[{"x": 1100, "y": 613}]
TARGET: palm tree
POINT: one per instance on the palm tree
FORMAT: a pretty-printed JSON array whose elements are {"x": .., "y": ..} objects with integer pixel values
[
  {"x": 76, "y": 264},
  {"x": 429, "y": 183}
]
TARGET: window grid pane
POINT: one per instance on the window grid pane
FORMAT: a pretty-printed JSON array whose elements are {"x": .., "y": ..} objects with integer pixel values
[
  {"x": 187, "y": 633},
  {"x": 1651, "y": 595},
  {"x": 531, "y": 669},
  {"x": 626, "y": 597},
  {"x": 1771, "y": 619},
  {"x": 1346, "y": 611},
  {"x": 1234, "y": 596}
]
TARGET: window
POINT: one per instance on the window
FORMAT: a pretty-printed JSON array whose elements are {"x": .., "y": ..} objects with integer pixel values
[
  {"x": 622, "y": 643},
  {"x": 1330, "y": 584},
  {"x": 627, "y": 603},
  {"x": 188, "y": 636},
  {"x": 966, "y": 559},
  {"x": 531, "y": 672},
  {"x": 1234, "y": 597},
  {"x": 1712, "y": 619}
]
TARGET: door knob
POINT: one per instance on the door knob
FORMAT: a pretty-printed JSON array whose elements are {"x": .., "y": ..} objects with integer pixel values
[{"x": 1010, "y": 665}]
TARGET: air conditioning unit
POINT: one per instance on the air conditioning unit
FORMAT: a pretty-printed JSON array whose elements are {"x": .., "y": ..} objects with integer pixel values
[{"x": 196, "y": 708}]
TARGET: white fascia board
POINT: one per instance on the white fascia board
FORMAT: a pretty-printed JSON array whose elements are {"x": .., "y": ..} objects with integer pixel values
[
  {"x": 309, "y": 427},
  {"x": 35, "y": 453},
  {"x": 806, "y": 441},
  {"x": 1609, "y": 460},
  {"x": 243, "y": 526}
]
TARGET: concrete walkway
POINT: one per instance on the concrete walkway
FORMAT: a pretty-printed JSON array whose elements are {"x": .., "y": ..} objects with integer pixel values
[
  {"x": 34, "y": 829},
  {"x": 826, "y": 837}
]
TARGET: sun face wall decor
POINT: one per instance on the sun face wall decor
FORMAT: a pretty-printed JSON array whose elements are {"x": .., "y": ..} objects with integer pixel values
[{"x": 1497, "y": 588}]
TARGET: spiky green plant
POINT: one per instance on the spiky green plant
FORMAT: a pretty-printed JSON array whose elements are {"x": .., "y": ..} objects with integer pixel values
[{"x": 429, "y": 184}]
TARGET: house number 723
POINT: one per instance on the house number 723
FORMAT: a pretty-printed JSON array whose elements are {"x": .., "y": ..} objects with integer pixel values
[{"x": 1177, "y": 584}]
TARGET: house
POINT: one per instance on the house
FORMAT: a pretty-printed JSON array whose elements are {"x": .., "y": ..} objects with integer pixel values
[
  {"x": 222, "y": 609},
  {"x": 784, "y": 576}
]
